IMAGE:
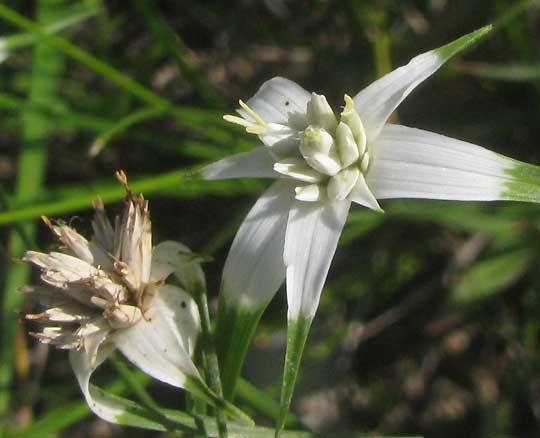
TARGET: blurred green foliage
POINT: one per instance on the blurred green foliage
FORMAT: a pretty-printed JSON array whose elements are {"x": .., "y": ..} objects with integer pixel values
[{"x": 430, "y": 320}]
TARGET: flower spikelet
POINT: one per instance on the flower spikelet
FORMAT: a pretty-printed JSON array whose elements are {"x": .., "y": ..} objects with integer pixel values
[{"x": 94, "y": 287}]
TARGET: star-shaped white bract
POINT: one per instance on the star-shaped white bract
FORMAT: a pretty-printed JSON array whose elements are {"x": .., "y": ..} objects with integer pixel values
[
  {"x": 109, "y": 292},
  {"x": 324, "y": 160}
]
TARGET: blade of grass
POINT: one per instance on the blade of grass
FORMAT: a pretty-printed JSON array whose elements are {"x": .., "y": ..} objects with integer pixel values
[
  {"x": 70, "y": 17},
  {"x": 57, "y": 419},
  {"x": 123, "y": 124},
  {"x": 489, "y": 276},
  {"x": 69, "y": 200},
  {"x": 176, "y": 48},
  {"x": 195, "y": 283},
  {"x": 195, "y": 406},
  {"x": 512, "y": 12},
  {"x": 228, "y": 142},
  {"x": 262, "y": 402},
  {"x": 500, "y": 72},
  {"x": 47, "y": 67},
  {"x": 69, "y": 117},
  {"x": 195, "y": 117}
]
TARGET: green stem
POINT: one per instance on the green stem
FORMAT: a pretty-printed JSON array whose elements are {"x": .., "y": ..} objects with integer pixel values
[
  {"x": 196, "y": 284},
  {"x": 47, "y": 68},
  {"x": 84, "y": 57},
  {"x": 383, "y": 59},
  {"x": 194, "y": 405}
]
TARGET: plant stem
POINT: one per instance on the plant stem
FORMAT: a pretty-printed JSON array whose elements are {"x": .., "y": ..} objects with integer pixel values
[{"x": 195, "y": 283}]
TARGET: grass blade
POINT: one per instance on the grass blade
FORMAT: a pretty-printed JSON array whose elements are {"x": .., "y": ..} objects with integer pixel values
[
  {"x": 176, "y": 48},
  {"x": 70, "y": 17},
  {"x": 47, "y": 67}
]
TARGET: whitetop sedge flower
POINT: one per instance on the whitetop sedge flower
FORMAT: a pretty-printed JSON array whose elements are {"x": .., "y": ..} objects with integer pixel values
[
  {"x": 325, "y": 160},
  {"x": 109, "y": 292}
]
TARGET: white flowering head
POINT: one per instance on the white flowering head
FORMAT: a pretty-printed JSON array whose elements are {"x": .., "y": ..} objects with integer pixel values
[
  {"x": 325, "y": 160},
  {"x": 334, "y": 160},
  {"x": 325, "y": 153},
  {"x": 109, "y": 292},
  {"x": 99, "y": 285}
]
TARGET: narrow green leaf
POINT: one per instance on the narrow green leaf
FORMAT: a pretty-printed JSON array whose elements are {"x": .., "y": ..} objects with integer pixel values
[
  {"x": 77, "y": 198},
  {"x": 137, "y": 415},
  {"x": 500, "y": 72},
  {"x": 297, "y": 333},
  {"x": 122, "y": 125},
  {"x": 489, "y": 276},
  {"x": 198, "y": 388},
  {"x": 176, "y": 48},
  {"x": 71, "y": 16},
  {"x": 195, "y": 117},
  {"x": 262, "y": 402},
  {"x": 463, "y": 216}
]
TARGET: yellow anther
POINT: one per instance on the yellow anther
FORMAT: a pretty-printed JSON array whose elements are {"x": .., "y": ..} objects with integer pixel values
[{"x": 252, "y": 113}]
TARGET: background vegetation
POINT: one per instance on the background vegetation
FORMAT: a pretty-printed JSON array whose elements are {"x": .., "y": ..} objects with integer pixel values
[{"x": 430, "y": 320}]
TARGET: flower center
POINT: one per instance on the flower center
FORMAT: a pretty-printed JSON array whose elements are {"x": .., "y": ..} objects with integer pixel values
[
  {"x": 331, "y": 154},
  {"x": 334, "y": 152}
]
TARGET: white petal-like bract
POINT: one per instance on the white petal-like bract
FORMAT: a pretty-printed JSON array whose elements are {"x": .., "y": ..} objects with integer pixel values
[
  {"x": 254, "y": 268},
  {"x": 376, "y": 102},
  {"x": 313, "y": 231},
  {"x": 412, "y": 163},
  {"x": 257, "y": 163},
  {"x": 277, "y": 100},
  {"x": 162, "y": 342}
]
